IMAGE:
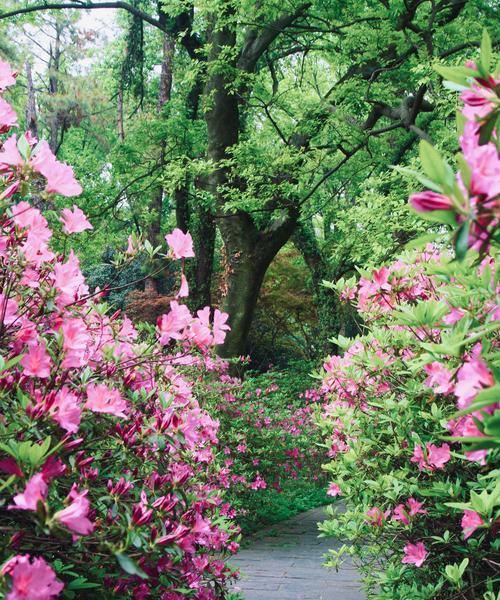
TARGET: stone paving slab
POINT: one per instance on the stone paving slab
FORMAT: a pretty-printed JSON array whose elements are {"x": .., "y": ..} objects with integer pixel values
[{"x": 285, "y": 563}]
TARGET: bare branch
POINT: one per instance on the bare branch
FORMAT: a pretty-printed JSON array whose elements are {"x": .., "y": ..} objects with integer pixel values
[{"x": 118, "y": 4}]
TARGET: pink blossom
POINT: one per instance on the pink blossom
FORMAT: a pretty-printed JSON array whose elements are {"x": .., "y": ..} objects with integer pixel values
[
  {"x": 220, "y": 326},
  {"x": 418, "y": 457},
  {"x": 470, "y": 522},
  {"x": 8, "y": 116},
  {"x": 101, "y": 399},
  {"x": 31, "y": 580},
  {"x": 415, "y": 554},
  {"x": 9, "y": 154},
  {"x": 439, "y": 378},
  {"x": 60, "y": 177},
  {"x": 35, "y": 490},
  {"x": 66, "y": 410},
  {"x": 174, "y": 322},
  {"x": 37, "y": 363},
  {"x": 75, "y": 342},
  {"x": 184, "y": 289},
  {"x": 471, "y": 378},
  {"x": 74, "y": 516},
  {"x": 428, "y": 201},
  {"x": 68, "y": 280},
  {"x": 180, "y": 243},
  {"x": 375, "y": 516},
  {"x": 8, "y": 310},
  {"x": 199, "y": 329},
  {"x": 333, "y": 490},
  {"x": 132, "y": 247},
  {"x": 7, "y": 76},
  {"x": 415, "y": 507},
  {"x": 400, "y": 514},
  {"x": 438, "y": 456},
  {"x": 74, "y": 221}
]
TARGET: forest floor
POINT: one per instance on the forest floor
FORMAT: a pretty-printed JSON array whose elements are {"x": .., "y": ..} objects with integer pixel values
[{"x": 285, "y": 562}]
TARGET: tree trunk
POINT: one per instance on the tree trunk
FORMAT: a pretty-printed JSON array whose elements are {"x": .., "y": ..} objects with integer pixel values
[
  {"x": 249, "y": 250},
  {"x": 31, "y": 117},
  {"x": 120, "y": 125},
  {"x": 334, "y": 316},
  {"x": 54, "y": 66},
  {"x": 164, "y": 94}
]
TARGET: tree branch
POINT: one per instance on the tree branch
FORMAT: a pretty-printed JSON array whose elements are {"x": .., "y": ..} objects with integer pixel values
[
  {"x": 83, "y": 6},
  {"x": 255, "y": 45}
]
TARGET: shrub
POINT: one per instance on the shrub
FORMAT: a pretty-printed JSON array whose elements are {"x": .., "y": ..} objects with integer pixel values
[
  {"x": 270, "y": 447},
  {"x": 109, "y": 480},
  {"x": 411, "y": 407}
]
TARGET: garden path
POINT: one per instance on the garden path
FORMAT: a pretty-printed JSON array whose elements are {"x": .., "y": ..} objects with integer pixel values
[{"x": 284, "y": 563}]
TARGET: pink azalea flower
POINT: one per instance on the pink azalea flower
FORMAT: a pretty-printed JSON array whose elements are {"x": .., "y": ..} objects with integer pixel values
[
  {"x": 8, "y": 116},
  {"x": 9, "y": 154},
  {"x": 375, "y": 516},
  {"x": 439, "y": 378},
  {"x": 180, "y": 243},
  {"x": 172, "y": 325},
  {"x": 428, "y": 201},
  {"x": 37, "y": 363},
  {"x": 66, "y": 410},
  {"x": 74, "y": 221},
  {"x": 415, "y": 554},
  {"x": 470, "y": 522},
  {"x": 101, "y": 399},
  {"x": 333, "y": 490},
  {"x": 418, "y": 457},
  {"x": 8, "y": 310},
  {"x": 471, "y": 378},
  {"x": 68, "y": 280},
  {"x": 7, "y": 76},
  {"x": 220, "y": 326},
  {"x": 74, "y": 516},
  {"x": 76, "y": 340},
  {"x": 131, "y": 246},
  {"x": 60, "y": 177},
  {"x": 184, "y": 289},
  {"x": 400, "y": 514},
  {"x": 415, "y": 507},
  {"x": 35, "y": 490},
  {"x": 438, "y": 456},
  {"x": 31, "y": 580}
]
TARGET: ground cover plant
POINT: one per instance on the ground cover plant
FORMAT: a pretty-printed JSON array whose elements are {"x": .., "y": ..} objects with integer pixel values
[
  {"x": 109, "y": 485},
  {"x": 411, "y": 414},
  {"x": 269, "y": 445}
]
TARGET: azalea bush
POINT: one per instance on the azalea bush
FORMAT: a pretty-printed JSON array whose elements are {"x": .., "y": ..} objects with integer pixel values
[
  {"x": 108, "y": 481},
  {"x": 270, "y": 447},
  {"x": 411, "y": 414}
]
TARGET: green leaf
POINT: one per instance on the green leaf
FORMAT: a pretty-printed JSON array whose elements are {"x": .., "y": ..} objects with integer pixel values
[
  {"x": 434, "y": 165},
  {"x": 130, "y": 566},
  {"x": 447, "y": 217},
  {"x": 486, "y": 129},
  {"x": 432, "y": 185},
  {"x": 486, "y": 52},
  {"x": 460, "y": 75},
  {"x": 462, "y": 240}
]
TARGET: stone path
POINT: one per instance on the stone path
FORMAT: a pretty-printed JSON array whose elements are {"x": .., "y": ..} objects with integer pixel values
[{"x": 284, "y": 563}]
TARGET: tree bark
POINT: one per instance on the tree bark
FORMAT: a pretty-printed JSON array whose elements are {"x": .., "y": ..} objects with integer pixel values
[
  {"x": 31, "y": 116},
  {"x": 249, "y": 250},
  {"x": 54, "y": 67},
  {"x": 158, "y": 194}
]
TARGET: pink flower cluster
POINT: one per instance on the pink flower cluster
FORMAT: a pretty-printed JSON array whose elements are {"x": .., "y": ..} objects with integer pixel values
[
  {"x": 477, "y": 198},
  {"x": 107, "y": 446}
]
